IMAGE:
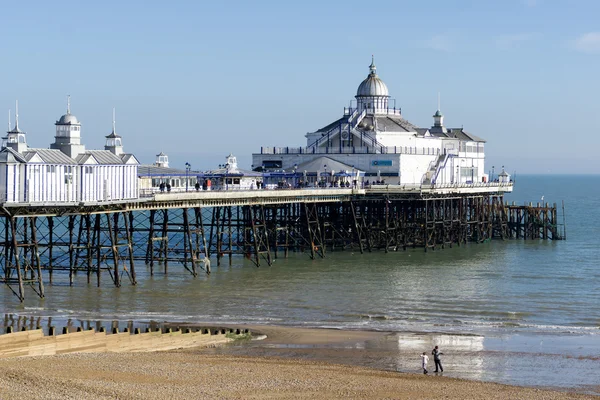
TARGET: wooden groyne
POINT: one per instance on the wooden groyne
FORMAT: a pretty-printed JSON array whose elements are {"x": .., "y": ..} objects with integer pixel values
[{"x": 36, "y": 343}]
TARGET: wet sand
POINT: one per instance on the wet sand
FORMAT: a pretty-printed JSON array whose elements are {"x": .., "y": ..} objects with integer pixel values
[{"x": 203, "y": 373}]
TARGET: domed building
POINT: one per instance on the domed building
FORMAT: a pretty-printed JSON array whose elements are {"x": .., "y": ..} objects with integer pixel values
[{"x": 372, "y": 135}]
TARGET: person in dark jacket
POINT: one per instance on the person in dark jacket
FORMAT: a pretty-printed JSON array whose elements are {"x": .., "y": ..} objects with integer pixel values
[{"x": 436, "y": 359}]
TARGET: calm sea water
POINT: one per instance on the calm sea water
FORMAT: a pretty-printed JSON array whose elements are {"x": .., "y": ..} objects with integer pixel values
[{"x": 519, "y": 300}]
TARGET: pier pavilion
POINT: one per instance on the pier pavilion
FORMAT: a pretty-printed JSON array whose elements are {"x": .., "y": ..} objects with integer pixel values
[
  {"x": 66, "y": 171},
  {"x": 374, "y": 137}
]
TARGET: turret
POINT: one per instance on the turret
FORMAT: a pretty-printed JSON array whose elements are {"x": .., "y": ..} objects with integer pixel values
[
  {"x": 15, "y": 138},
  {"x": 68, "y": 134},
  {"x": 114, "y": 142},
  {"x": 162, "y": 160}
]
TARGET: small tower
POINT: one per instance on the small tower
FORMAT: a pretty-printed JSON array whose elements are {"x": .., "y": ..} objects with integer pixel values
[
  {"x": 15, "y": 138},
  {"x": 438, "y": 121},
  {"x": 231, "y": 163},
  {"x": 68, "y": 134},
  {"x": 114, "y": 142},
  {"x": 162, "y": 160},
  {"x": 503, "y": 177},
  {"x": 372, "y": 94}
]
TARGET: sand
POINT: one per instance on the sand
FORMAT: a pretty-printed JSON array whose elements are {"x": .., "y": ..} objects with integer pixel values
[{"x": 198, "y": 374}]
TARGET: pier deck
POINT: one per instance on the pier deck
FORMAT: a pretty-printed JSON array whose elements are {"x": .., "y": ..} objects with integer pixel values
[{"x": 187, "y": 229}]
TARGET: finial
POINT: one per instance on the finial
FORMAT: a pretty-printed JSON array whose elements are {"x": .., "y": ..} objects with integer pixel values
[
  {"x": 114, "y": 131},
  {"x": 372, "y": 66},
  {"x": 16, "y": 115},
  {"x": 68, "y": 104},
  {"x": 9, "y": 120}
]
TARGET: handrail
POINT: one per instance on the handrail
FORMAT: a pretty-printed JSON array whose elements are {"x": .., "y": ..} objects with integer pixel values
[{"x": 441, "y": 166}]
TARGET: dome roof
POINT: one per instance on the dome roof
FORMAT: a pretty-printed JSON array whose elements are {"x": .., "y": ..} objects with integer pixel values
[
  {"x": 67, "y": 119},
  {"x": 372, "y": 86}
]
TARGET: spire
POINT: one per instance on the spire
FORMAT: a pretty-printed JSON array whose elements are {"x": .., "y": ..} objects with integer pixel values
[
  {"x": 16, "y": 115},
  {"x": 438, "y": 117},
  {"x": 372, "y": 67},
  {"x": 114, "y": 130},
  {"x": 8, "y": 121},
  {"x": 438, "y": 112},
  {"x": 68, "y": 104}
]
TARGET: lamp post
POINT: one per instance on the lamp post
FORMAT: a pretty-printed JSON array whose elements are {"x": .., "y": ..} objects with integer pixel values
[
  {"x": 457, "y": 175},
  {"x": 295, "y": 177},
  {"x": 492, "y": 174},
  {"x": 325, "y": 166},
  {"x": 188, "y": 167}
]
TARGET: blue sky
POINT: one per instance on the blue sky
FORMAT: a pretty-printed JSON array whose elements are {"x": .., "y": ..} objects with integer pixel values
[{"x": 198, "y": 80}]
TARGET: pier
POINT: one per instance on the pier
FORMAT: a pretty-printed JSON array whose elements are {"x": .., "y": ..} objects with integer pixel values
[{"x": 102, "y": 240}]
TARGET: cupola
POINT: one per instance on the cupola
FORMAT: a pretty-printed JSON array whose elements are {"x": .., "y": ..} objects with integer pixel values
[
  {"x": 114, "y": 142},
  {"x": 15, "y": 138},
  {"x": 372, "y": 93}
]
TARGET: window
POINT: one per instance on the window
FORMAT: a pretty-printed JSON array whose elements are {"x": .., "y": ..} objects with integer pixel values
[
  {"x": 89, "y": 170},
  {"x": 272, "y": 163},
  {"x": 68, "y": 175},
  {"x": 50, "y": 169}
]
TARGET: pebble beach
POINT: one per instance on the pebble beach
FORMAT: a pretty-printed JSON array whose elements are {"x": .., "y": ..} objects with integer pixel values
[{"x": 200, "y": 373}]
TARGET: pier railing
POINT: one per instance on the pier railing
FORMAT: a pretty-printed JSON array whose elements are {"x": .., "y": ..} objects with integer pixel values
[{"x": 433, "y": 151}]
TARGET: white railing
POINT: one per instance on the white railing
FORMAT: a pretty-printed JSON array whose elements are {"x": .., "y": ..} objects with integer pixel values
[
  {"x": 420, "y": 187},
  {"x": 378, "y": 111},
  {"x": 431, "y": 151}
]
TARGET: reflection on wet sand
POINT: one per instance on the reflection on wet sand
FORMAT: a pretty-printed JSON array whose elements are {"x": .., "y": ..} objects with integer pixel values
[{"x": 472, "y": 357}]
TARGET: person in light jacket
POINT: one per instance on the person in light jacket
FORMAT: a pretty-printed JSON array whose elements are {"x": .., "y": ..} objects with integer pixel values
[{"x": 424, "y": 361}]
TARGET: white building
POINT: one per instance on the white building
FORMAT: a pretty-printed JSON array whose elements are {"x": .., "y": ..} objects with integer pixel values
[
  {"x": 375, "y": 138},
  {"x": 230, "y": 177},
  {"x": 160, "y": 177},
  {"x": 66, "y": 172}
]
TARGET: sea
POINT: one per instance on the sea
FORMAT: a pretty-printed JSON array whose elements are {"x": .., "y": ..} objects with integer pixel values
[{"x": 516, "y": 312}]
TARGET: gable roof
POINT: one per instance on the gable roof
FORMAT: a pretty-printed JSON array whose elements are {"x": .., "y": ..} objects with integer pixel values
[
  {"x": 85, "y": 158},
  {"x": 8, "y": 155},
  {"x": 460, "y": 133},
  {"x": 129, "y": 159},
  {"x": 105, "y": 157},
  {"x": 49, "y": 156}
]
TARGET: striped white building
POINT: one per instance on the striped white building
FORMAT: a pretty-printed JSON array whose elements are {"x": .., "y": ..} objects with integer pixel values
[{"x": 66, "y": 172}]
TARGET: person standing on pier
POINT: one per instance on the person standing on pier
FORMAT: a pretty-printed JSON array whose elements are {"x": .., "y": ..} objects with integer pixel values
[
  {"x": 424, "y": 361},
  {"x": 436, "y": 359}
]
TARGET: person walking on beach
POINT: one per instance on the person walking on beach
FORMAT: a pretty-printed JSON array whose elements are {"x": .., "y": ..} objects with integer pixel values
[
  {"x": 436, "y": 359},
  {"x": 424, "y": 361}
]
